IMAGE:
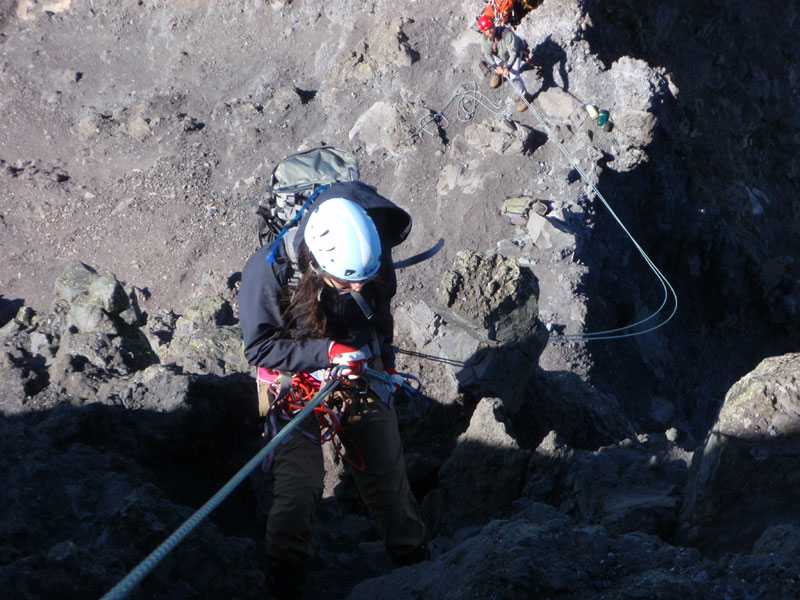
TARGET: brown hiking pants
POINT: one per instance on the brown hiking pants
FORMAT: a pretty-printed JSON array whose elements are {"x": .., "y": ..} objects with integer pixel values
[{"x": 298, "y": 482}]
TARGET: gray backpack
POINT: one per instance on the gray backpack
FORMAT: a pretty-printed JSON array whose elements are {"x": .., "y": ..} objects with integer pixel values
[{"x": 293, "y": 181}]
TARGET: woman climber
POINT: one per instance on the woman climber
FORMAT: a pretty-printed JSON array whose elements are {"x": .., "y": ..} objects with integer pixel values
[{"x": 315, "y": 303}]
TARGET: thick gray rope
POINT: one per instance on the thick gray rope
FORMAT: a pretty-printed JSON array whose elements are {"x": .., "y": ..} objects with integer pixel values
[{"x": 132, "y": 579}]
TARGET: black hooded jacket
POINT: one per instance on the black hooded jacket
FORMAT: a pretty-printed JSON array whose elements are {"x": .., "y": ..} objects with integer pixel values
[{"x": 264, "y": 291}]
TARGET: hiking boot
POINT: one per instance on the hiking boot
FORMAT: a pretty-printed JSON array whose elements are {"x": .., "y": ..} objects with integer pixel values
[
  {"x": 419, "y": 554},
  {"x": 286, "y": 580},
  {"x": 522, "y": 106},
  {"x": 496, "y": 80}
]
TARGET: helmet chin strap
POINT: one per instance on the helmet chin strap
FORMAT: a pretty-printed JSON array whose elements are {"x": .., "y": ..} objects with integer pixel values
[
  {"x": 360, "y": 300},
  {"x": 362, "y": 304}
]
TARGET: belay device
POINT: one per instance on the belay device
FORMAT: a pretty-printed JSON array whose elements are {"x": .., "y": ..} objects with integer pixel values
[{"x": 294, "y": 179}]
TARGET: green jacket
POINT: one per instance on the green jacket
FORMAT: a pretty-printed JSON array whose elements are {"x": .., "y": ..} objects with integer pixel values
[{"x": 507, "y": 47}]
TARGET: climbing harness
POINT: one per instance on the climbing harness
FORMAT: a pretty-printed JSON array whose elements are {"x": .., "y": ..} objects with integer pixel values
[
  {"x": 329, "y": 414},
  {"x": 134, "y": 577},
  {"x": 467, "y": 98}
]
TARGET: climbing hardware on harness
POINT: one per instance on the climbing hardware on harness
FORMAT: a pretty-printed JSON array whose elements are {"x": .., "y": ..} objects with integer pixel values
[{"x": 329, "y": 414}]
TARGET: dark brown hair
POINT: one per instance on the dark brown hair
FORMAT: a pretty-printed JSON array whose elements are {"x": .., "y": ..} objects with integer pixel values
[{"x": 303, "y": 313}]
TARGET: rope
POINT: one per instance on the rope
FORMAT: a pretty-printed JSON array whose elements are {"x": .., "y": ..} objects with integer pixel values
[
  {"x": 432, "y": 357},
  {"x": 132, "y": 579},
  {"x": 468, "y": 100},
  {"x": 613, "y": 334}
]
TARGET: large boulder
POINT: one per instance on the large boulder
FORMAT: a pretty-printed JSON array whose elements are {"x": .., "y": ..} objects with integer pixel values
[
  {"x": 204, "y": 339},
  {"x": 481, "y": 329},
  {"x": 75, "y": 280},
  {"x": 631, "y": 486},
  {"x": 487, "y": 307},
  {"x": 492, "y": 297},
  {"x": 748, "y": 472},
  {"x": 483, "y": 476},
  {"x": 540, "y": 553}
]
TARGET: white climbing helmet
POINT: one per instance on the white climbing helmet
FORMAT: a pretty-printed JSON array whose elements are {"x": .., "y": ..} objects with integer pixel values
[{"x": 343, "y": 240}]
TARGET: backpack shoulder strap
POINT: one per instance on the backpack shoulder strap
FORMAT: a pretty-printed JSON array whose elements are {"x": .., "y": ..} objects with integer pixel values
[
  {"x": 288, "y": 243},
  {"x": 291, "y": 254}
]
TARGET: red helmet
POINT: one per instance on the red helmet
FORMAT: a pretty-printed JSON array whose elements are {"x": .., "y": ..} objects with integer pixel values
[{"x": 485, "y": 23}]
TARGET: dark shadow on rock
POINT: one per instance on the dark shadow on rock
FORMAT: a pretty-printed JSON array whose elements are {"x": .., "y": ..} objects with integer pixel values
[
  {"x": 719, "y": 298},
  {"x": 522, "y": 8},
  {"x": 9, "y": 308},
  {"x": 305, "y": 96},
  {"x": 539, "y": 435},
  {"x": 573, "y": 176},
  {"x": 550, "y": 59},
  {"x": 741, "y": 486},
  {"x": 633, "y": 485},
  {"x": 534, "y": 141},
  {"x": 403, "y": 39},
  {"x": 22, "y": 376},
  {"x": 94, "y": 489},
  {"x": 526, "y": 404},
  {"x": 722, "y": 246}
]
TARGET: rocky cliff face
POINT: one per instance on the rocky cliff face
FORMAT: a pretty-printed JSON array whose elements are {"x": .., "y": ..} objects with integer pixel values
[
  {"x": 136, "y": 137},
  {"x": 716, "y": 196},
  {"x": 113, "y": 434}
]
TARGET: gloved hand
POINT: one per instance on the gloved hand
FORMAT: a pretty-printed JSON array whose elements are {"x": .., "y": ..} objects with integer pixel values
[
  {"x": 354, "y": 359},
  {"x": 395, "y": 378}
]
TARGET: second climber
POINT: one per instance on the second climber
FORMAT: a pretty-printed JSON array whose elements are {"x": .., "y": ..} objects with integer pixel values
[{"x": 504, "y": 51}]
